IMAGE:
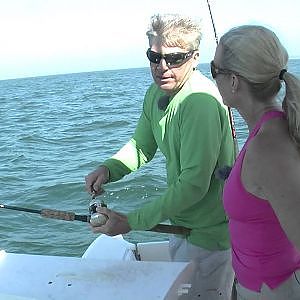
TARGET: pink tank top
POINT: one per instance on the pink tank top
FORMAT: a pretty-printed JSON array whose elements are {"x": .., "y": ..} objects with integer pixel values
[{"x": 261, "y": 251}]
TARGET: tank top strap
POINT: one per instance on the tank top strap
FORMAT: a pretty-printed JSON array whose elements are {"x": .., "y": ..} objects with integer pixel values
[{"x": 265, "y": 117}]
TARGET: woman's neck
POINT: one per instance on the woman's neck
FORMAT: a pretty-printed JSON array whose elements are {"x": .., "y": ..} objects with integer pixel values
[{"x": 253, "y": 113}]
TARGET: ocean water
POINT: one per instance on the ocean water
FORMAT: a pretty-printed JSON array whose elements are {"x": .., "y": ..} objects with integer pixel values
[{"x": 54, "y": 130}]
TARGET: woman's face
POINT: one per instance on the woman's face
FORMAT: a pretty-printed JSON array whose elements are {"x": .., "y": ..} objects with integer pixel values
[
  {"x": 223, "y": 79},
  {"x": 171, "y": 72}
]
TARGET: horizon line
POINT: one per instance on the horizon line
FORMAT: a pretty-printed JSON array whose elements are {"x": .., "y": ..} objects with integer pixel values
[{"x": 94, "y": 71}]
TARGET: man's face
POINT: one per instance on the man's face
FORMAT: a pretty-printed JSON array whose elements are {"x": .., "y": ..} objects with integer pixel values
[{"x": 172, "y": 71}]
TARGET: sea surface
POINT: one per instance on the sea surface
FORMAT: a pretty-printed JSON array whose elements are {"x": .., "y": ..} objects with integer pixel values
[{"x": 54, "y": 130}]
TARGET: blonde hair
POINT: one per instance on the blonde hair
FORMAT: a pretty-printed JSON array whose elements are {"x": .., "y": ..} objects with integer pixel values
[
  {"x": 255, "y": 53},
  {"x": 174, "y": 30}
]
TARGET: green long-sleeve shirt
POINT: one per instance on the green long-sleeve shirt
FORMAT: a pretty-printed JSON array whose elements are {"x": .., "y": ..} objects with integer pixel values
[{"x": 194, "y": 135}]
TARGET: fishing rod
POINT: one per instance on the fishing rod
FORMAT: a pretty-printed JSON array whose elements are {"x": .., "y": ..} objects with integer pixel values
[
  {"x": 231, "y": 119},
  {"x": 213, "y": 23},
  {"x": 94, "y": 218}
]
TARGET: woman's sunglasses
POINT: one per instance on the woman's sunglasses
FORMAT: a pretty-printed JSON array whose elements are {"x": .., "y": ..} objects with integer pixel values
[
  {"x": 172, "y": 59},
  {"x": 215, "y": 71}
]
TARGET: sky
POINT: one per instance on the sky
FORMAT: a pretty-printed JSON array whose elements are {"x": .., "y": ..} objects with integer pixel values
[{"x": 48, "y": 37}]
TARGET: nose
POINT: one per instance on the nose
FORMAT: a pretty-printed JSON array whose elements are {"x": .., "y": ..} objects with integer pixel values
[{"x": 163, "y": 64}]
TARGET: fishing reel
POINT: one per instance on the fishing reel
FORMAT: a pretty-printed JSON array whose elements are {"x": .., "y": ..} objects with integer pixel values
[{"x": 97, "y": 219}]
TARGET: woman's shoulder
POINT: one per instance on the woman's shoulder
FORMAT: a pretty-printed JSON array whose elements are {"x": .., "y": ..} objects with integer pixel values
[
  {"x": 273, "y": 139},
  {"x": 272, "y": 152},
  {"x": 271, "y": 164}
]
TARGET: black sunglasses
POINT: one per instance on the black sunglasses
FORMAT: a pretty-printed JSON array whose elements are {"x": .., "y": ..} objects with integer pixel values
[
  {"x": 172, "y": 59},
  {"x": 215, "y": 70}
]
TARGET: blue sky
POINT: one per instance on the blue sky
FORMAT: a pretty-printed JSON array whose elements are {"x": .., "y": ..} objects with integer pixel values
[{"x": 43, "y": 37}]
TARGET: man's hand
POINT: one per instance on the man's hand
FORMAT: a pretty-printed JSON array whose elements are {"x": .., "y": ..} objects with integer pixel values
[
  {"x": 95, "y": 180},
  {"x": 116, "y": 224}
]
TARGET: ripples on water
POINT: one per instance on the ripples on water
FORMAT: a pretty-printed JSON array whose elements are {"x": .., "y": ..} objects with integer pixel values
[{"x": 54, "y": 131}]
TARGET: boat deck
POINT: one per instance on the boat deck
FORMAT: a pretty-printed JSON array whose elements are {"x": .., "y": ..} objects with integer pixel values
[{"x": 40, "y": 277}]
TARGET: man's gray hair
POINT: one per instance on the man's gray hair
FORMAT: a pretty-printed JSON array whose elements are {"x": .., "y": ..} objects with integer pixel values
[{"x": 174, "y": 30}]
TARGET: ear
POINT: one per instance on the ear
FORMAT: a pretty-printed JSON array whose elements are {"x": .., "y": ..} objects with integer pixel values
[
  {"x": 234, "y": 83},
  {"x": 196, "y": 57}
]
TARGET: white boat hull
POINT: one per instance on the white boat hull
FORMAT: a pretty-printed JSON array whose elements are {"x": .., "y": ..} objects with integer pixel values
[{"x": 107, "y": 270}]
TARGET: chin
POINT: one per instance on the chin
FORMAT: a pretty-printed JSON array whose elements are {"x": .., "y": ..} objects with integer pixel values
[{"x": 167, "y": 90}]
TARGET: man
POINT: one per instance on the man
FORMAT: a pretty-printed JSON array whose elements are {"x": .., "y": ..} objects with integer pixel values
[{"x": 184, "y": 117}]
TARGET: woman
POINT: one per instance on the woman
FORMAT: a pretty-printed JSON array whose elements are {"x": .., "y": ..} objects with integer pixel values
[{"x": 262, "y": 192}]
